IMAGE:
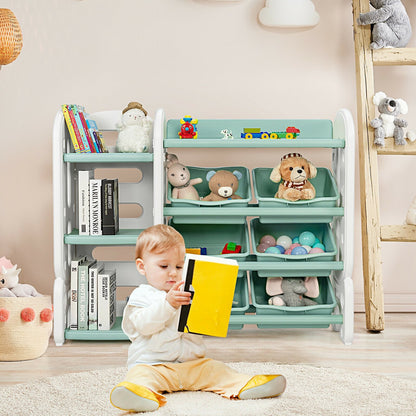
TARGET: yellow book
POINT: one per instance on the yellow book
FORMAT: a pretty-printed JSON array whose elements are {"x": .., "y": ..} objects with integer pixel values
[{"x": 211, "y": 280}]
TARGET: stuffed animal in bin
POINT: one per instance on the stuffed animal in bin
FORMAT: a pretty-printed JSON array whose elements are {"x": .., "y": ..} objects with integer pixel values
[
  {"x": 223, "y": 185},
  {"x": 135, "y": 130},
  {"x": 180, "y": 178},
  {"x": 388, "y": 123},
  {"x": 390, "y": 24},
  {"x": 9, "y": 281},
  {"x": 294, "y": 171},
  {"x": 291, "y": 291}
]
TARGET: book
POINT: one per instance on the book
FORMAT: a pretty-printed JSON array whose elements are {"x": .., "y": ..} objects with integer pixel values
[
  {"x": 92, "y": 125},
  {"x": 80, "y": 127},
  {"x": 211, "y": 280},
  {"x": 93, "y": 134},
  {"x": 70, "y": 127},
  {"x": 106, "y": 300},
  {"x": 83, "y": 276},
  {"x": 95, "y": 207},
  {"x": 86, "y": 131},
  {"x": 73, "y": 324},
  {"x": 93, "y": 295},
  {"x": 109, "y": 202},
  {"x": 84, "y": 177}
]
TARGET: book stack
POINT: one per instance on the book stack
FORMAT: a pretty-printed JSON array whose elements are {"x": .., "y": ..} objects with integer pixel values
[
  {"x": 85, "y": 136},
  {"x": 97, "y": 205},
  {"x": 93, "y": 295}
]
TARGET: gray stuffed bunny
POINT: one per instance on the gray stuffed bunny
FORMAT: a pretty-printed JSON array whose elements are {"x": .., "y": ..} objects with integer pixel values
[
  {"x": 391, "y": 24},
  {"x": 290, "y": 291}
]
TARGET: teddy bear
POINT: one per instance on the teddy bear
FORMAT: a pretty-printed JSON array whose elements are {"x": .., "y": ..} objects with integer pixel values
[
  {"x": 295, "y": 171},
  {"x": 291, "y": 291},
  {"x": 390, "y": 24},
  {"x": 223, "y": 184},
  {"x": 388, "y": 123},
  {"x": 135, "y": 130},
  {"x": 9, "y": 281},
  {"x": 180, "y": 178}
]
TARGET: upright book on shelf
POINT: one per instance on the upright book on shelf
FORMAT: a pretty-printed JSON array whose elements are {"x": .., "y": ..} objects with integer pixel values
[
  {"x": 93, "y": 295},
  {"x": 83, "y": 276},
  {"x": 106, "y": 300},
  {"x": 70, "y": 126},
  {"x": 84, "y": 177},
  {"x": 211, "y": 280},
  {"x": 109, "y": 198},
  {"x": 95, "y": 207},
  {"x": 80, "y": 127},
  {"x": 75, "y": 263}
]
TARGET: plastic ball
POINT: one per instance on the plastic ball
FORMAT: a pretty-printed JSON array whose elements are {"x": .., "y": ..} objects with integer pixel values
[
  {"x": 288, "y": 251},
  {"x": 272, "y": 250},
  {"x": 269, "y": 240},
  {"x": 46, "y": 315},
  {"x": 261, "y": 248},
  {"x": 307, "y": 248},
  {"x": 307, "y": 238},
  {"x": 292, "y": 246},
  {"x": 319, "y": 245},
  {"x": 315, "y": 250},
  {"x": 27, "y": 314},
  {"x": 297, "y": 251},
  {"x": 4, "y": 315},
  {"x": 295, "y": 240},
  {"x": 280, "y": 248},
  {"x": 284, "y": 241}
]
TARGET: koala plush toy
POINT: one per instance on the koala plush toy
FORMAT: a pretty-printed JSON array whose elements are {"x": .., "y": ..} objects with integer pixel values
[
  {"x": 391, "y": 24},
  {"x": 388, "y": 123}
]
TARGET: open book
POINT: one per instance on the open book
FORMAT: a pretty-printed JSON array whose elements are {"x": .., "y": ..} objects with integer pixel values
[{"x": 211, "y": 280}]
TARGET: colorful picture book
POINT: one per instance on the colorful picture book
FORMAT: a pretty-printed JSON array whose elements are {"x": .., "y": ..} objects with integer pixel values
[
  {"x": 85, "y": 136},
  {"x": 211, "y": 280}
]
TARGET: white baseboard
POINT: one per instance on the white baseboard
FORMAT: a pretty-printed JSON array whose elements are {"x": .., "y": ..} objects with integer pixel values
[{"x": 393, "y": 302}]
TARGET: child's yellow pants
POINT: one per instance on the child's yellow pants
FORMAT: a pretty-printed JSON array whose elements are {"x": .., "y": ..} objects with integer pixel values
[{"x": 203, "y": 374}]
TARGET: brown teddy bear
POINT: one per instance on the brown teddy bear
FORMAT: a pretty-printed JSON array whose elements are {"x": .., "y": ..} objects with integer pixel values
[
  {"x": 223, "y": 184},
  {"x": 295, "y": 171}
]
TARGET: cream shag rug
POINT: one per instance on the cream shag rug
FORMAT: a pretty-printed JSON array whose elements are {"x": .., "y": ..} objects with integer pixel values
[{"x": 310, "y": 391}]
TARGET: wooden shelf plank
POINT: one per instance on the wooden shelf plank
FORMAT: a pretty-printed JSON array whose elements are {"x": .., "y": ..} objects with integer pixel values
[
  {"x": 394, "y": 56},
  {"x": 391, "y": 149},
  {"x": 404, "y": 233}
]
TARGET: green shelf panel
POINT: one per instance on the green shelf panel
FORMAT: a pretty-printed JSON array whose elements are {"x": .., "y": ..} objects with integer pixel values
[
  {"x": 253, "y": 143},
  {"x": 114, "y": 334},
  {"x": 126, "y": 237},
  {"x": 107, "y": 157}
]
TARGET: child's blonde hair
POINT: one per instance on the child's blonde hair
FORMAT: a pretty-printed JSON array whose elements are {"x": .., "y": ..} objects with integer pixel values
[{"x": 157, "y": 239}]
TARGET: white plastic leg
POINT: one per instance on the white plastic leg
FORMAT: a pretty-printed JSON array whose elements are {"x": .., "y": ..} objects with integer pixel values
[
  {"x": 59, "y": 311},
  {"x": 347, "y": 305}
]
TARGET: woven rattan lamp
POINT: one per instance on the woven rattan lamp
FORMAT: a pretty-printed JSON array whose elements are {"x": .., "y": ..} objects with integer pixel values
[{"x": 10, "y": 37}]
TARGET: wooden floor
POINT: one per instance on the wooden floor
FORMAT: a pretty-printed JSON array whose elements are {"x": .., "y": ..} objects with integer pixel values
[{"x": 392, "y": 351}]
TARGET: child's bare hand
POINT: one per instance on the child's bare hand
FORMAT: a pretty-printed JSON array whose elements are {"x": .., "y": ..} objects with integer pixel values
[{"x": 178, "y": 297}]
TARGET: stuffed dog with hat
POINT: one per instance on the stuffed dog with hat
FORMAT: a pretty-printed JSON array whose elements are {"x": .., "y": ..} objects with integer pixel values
[{"x": 294, "y": 171}]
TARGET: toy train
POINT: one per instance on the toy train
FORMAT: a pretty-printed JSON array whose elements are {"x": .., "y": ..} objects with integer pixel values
[
  {"x": 256, "y": 133},
  {"x": 188, "y": 128}
]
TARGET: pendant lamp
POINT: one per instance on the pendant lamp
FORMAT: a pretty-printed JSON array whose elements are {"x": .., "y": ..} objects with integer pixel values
[{"x": 10, "y": 37}]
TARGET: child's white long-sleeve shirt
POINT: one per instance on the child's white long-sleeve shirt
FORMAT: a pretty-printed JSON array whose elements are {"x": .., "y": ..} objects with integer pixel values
[{"x": 151, "y": 324}]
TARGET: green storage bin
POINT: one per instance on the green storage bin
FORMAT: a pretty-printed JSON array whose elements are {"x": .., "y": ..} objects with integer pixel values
[
  {"x": 244, "y": 189},
  {"x": 241, "y": 300},
  {"x": 326, "y": 302},
  {"x": 327, "y": 195},
  {"x": 214, "y": 237},
  {"x": 322, "y": 231}
]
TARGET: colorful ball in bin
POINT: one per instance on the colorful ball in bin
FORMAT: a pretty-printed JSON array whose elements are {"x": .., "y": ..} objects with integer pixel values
[
  {"x": 295, "y": 240},
  {"x": 261, "y": 248},
  {"x": 315, "y": 250},
  {"x": 299, "y": 250},
  {"x": 319, "y": 245},
  {"x": 272, "y": 250},
  {"x": 307, "y": 238},
  {"x": 268, "y": 239},
  {"x": 280, "y": 248},
  {"x": 307, "y": 248},
  {"x": 284, "y": 241}
]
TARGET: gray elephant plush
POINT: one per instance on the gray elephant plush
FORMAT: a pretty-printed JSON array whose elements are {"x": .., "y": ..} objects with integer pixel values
[
  {"x": 391, "y": 24},
  {"x": 291, "y": 291}
]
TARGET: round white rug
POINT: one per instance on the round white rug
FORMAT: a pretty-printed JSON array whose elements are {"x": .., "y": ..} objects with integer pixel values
[{"x": 310, "y": 391}]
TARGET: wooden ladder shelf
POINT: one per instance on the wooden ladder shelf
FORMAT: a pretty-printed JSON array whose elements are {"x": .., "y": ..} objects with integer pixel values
[{"x": 372, "y": 232}]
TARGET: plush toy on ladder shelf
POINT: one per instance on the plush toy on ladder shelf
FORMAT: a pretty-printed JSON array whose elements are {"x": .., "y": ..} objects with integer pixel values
[{"x": 135, "y": 130}]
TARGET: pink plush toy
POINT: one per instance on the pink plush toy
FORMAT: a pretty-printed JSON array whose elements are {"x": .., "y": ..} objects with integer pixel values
[
  {"x": 9, "y": 281},
  {"x": 290, "y": 291}
]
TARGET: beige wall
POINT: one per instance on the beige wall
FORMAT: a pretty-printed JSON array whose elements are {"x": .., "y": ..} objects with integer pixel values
[{"x": 207, "y": 58}]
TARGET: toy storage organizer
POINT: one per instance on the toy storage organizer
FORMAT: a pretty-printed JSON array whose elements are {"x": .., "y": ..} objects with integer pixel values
[{"x": 212, "y": 224}]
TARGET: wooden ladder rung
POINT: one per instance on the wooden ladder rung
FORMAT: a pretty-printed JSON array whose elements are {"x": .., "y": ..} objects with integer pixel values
[
  {"x": 394, "y": 56},
  {"x": 391, "y": 149},
  {"x": 398, "y": 233}
]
